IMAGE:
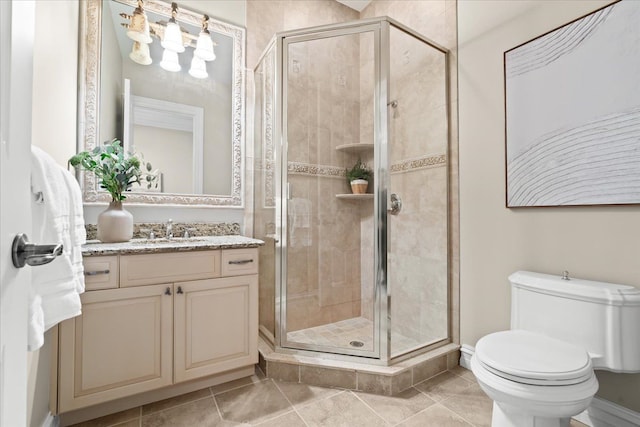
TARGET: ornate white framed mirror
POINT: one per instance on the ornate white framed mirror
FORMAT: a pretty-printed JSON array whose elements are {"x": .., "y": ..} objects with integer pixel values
[{"x": 207, "y": 152}]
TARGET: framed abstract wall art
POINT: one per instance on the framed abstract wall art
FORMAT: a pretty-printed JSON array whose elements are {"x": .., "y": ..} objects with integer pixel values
[{"x": 572, "y": 104}]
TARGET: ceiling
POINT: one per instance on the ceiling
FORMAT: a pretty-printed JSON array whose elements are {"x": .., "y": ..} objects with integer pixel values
[{"x": 355, "y": 4}]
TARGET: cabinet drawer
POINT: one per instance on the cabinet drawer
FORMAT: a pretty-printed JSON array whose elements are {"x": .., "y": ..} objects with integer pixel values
[
  {"x": 100, "y": 272},
  {"x": 238, "y": 262},
  {"x": 148, "y": 269}
]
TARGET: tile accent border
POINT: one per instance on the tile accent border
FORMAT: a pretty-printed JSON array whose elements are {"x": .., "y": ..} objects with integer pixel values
[
  {"x": 299, "y": 168},
  {"x": 425, "y": 162},
  {"x": 408, "y": 165}
]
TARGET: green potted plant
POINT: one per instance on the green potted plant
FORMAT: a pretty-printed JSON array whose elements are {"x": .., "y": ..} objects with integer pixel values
[
  {"x": 358, "y": 177},
  {"x": 117, "y": 172}
]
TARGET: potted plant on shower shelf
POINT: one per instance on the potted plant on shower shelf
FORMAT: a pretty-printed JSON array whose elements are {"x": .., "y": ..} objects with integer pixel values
[
  {"x": 358, "y": 177},
  {"x": 117, "y": 172}
]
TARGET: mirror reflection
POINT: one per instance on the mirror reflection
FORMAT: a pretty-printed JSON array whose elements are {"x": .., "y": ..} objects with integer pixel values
[
  {"x": 164, "y": 141},
  {"x": 170, "y": 87}
]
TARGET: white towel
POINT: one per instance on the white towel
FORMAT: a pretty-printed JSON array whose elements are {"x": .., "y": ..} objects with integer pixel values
[
  {"x": 57, "y": 218},
  {"x": 300, "y": 222}
]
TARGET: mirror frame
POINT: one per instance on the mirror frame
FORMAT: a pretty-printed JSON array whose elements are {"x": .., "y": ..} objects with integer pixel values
[{"x": 89, "y": 104}]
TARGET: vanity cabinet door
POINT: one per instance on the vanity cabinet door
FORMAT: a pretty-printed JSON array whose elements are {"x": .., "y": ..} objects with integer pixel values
[
  {"x": 120, "y": 345},
  {"x": 216, "y": 326}
]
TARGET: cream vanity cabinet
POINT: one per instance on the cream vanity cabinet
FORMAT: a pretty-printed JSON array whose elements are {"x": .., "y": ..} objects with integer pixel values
[{"x": 166, "y": 318}]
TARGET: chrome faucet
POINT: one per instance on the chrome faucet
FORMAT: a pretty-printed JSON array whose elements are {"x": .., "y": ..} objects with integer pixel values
[{"x": 170, "y": 229}]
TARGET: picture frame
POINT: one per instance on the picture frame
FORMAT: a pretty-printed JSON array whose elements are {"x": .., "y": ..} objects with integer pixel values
[{"x": 572, "y": 107}]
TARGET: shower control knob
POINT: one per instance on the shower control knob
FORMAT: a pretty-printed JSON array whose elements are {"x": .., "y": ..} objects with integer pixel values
[{"x": 395, "y": 205}]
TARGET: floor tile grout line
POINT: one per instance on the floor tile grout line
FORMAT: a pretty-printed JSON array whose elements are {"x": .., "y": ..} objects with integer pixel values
[
  {"x": 172, "y": 407},
  {"x": 139, "y": 416},
  {"x": 449, "y": 397},
  {"x": 458, "y": 414},
  {"x": 371, "y": 408},
  {"x": 275, "y": 416},
  {"x": 293, "y": 407},
  {"x": 240, "y": 386},
  {"x": 430, "y": 407},
  {"x": 215, "y": 402}
]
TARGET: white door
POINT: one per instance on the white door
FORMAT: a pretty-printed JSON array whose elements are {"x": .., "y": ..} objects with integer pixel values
[{"x": 16, "y": 65}]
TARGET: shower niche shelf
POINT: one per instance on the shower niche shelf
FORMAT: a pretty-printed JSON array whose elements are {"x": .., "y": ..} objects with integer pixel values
[
  {"x": 355, "y": 148},
  {"x": 366, "y": 196}
]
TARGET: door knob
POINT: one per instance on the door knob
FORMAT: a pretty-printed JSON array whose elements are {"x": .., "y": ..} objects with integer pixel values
[{"x": 23, "y": 252}]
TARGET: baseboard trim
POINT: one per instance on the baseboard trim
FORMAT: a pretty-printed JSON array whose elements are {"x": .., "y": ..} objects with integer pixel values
[
  {"x": 466, "y": 351},
  {"x": 601, "y": 413}
]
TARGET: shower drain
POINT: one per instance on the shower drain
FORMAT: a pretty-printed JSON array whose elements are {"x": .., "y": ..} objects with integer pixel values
[{"x": 356, "y": 344}]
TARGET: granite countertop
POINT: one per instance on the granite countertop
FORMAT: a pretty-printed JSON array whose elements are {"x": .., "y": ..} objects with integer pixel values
[{"x": 148, "y": 246}]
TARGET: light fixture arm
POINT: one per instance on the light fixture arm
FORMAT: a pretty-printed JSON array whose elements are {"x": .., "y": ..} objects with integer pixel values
[
  {"x": 205, "y": 24},
  {"x": 174, "y": 12}
]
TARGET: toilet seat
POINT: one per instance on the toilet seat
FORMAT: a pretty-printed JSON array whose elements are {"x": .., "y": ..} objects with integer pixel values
[{"x": 529, "y": 358}]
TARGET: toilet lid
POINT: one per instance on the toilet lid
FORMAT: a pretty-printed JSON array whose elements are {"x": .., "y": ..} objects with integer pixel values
[{"x": 531, "y": 358}]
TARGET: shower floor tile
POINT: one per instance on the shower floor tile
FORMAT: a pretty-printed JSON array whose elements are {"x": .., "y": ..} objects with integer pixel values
[{"x": 341, "y": 334}]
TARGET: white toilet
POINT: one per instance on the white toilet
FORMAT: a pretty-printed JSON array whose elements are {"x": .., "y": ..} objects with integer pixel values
[{"x": 540, "y": 373}]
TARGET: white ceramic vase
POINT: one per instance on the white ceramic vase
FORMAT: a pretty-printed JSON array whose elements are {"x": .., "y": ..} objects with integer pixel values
[{"x": 115, "y": 224}]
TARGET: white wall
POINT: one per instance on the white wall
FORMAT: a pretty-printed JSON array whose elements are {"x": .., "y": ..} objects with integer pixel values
[
  {"x": 598, "y": 243},
  {"x": 55, "y": 80},
  {"x": 55, "y": 56}
]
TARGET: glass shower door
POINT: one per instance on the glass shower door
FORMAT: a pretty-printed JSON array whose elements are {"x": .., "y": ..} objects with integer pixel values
[
  {"x": 417, "y": 257},
  {"x": 327, "y": 268}
]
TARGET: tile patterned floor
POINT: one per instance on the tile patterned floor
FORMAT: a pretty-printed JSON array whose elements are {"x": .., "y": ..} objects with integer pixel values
[
  {"x": 340, "y": 334},
  {"x": 452, "y": 398}
]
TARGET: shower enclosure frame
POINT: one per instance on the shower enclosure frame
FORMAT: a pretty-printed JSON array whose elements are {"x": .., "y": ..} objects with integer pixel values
[{"x": 380, "y": 27}]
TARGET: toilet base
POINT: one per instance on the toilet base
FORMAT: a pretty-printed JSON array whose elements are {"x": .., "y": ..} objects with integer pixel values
[{"x": 505, "y": 416}]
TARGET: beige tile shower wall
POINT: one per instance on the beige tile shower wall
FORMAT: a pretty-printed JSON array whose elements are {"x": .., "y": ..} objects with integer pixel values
[
  {"x": 264, "y": 19},
  {"x": 323, "y": 258},
  {"x": 420, "y": 265}
]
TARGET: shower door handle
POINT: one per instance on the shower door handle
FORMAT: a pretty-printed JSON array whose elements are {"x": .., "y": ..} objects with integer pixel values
[{"x": 395, "y": 204}]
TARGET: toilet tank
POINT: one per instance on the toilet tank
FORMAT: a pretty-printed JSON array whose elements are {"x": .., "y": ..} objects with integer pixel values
[{"x": 603, "y": 318}]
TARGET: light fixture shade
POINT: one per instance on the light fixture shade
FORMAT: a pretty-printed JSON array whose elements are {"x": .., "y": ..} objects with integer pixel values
[
  {"x": 198, "y": 68},
  {"x": 138, "y": 29},
  {"x": 173, "y": 38},
  {"x": 204, "y": 47},
  {"x": 170, "y": 61},
  {"x": 140, "y": 53}
]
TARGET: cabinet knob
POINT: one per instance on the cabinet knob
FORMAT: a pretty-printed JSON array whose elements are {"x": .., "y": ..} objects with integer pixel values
[
  {"x": 167, "y": 291},
  {"x": 180, "y": 290}
]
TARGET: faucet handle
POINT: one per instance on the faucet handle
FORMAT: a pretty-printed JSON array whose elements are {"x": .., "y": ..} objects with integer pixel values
[
  {"x": 150, "y": 232},
  {"x": 188, "y": 232},
  {"x": 170, "y": 229}
]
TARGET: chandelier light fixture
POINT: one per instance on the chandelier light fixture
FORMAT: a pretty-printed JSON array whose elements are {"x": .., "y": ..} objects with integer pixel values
[
  {"x": 204, "y": 46},
  {"x": 174, "y": 40},
  {"x": 170, "y": 61},
  {"x": 198, "y": 68},
  {"x": 140, "y": 53},
  {"x": 138, "y": 29},
  {"x": 172, "y": 34}
]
